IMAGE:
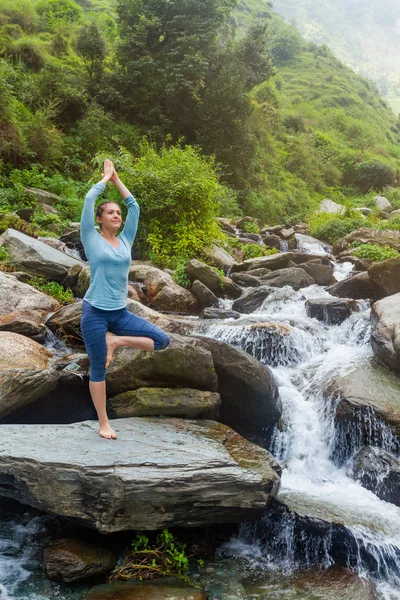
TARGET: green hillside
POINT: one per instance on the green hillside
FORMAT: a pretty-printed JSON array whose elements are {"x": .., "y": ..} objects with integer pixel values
[{"x": 287, "y": 123}]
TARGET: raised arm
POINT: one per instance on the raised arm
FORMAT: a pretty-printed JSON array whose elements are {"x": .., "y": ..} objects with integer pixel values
[
  {"x": 132, "y": 219},
  {"x": 87, "y": 217}
]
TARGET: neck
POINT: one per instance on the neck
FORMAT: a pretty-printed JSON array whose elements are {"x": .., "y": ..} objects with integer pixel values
[{"x": 109, "y": 235}]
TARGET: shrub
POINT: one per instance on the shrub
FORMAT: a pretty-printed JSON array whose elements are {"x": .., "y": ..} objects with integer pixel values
[
  {"x": 3, "y": 254},
  {"x": 11, "y": 221},
  {"x": 375, "y": 252},
  {"x": 254, "y": 251},
  {"x": 331, "y": 227},
  {"x": 53, "y": 289},
  {"x": 250, "y": 227},
  {"x": 180, "y": 277}
]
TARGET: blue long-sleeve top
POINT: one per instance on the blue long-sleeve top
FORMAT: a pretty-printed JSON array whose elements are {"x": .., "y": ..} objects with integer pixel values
[{"x": 109, "y": 266}]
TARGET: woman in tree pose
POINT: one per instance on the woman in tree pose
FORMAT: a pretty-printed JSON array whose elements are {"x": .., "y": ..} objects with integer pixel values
[{"x": 106, "y": 323}]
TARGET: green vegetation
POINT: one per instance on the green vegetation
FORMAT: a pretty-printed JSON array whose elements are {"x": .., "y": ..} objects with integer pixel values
[
  {"x": 250, "y": 227},
  {"x": 331, "y": 227},
  {"x": 375, "y": 252},
  {"x": 254, "y": 251},
  {"x": 165, "y": 557},
  {"x": 208, "y": 108},
  {"x": 53, "y": 289},
  {"x": 3, "y": 254}
]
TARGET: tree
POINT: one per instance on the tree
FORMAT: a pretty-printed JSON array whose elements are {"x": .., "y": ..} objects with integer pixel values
[{"x": 91, "y": 46}]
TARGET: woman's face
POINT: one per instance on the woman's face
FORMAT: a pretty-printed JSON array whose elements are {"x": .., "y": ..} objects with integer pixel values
[{"x": 110, "y": 219}]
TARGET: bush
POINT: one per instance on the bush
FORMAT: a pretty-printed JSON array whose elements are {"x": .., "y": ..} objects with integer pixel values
[
  {"x": 331, "y": 227},
  {"x": 178, "y": 192},
  {"x": 254, "y": 251},
  {"x": 11, "y": 221},
  {"x": 3, "y": 254},
  {"x": 375, "y": 252},
  {"x": 53, "y": 289},
  {"x": 372, "y": 174},
  {"x": 250, "y": 227},
  {"x": 180, "y": 277}
]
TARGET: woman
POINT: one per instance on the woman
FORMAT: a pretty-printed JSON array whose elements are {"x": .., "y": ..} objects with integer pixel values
[{"x": 104, "y": 305}]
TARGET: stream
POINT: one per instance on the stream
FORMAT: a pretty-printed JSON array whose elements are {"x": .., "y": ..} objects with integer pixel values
[{"x": 305, "y": 355}]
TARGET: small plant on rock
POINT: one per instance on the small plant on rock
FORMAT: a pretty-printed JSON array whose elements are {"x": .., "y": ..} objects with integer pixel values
[
  {"x": 250, "y": 227},
  {"x": 53, "y": 289},
  {"x": 375, "y": 253}
]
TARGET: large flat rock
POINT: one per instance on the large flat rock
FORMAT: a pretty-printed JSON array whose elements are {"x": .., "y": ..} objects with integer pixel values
[
  {"x": 385, "y": 336},
  {"x": 159, "y": 473}
]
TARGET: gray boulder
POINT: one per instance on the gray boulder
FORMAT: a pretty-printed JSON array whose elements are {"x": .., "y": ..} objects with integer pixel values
[
  {"x": 185, "y": 403},
  {"x": 277, "y": 261},
  {"x": 383, "y": 204},
  {"x": 23, "y": 309},
  {"x": 221, "y": 286},
  {"x": 137, "y": 482},
  {"x": 386, "y": 275},
  {"x": 25, "y": 372},
  {"x": 357, "y": 287},
  {"x": 296, "y": 277},
  {"x": 378, "y": 471},
  {"x": 272, "y": 241},
  {"x": 218, "y": 257},
  {"x": 162, "y": 588},
  {"x": 249, "y": 391},
  {"x": 385, "y": 336},
  {"x": 219, "y": 313},
  {"x": 321, "y": 274},
  {"x": 330, "y": 310},
  {"x": 251, "y": 301},
  {"x": 245, "y": 279},
  {"x": 205, "y": 297},
  {"x": 329, "y": 206},
  {"x": 366, "y": 235},
  {"x": 43, "y": 196},
  {"x": 36, "y": 257}
]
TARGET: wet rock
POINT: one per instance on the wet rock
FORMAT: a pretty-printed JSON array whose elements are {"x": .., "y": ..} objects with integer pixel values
[
  {"x": 366, "y": 408},
  {"x": 321, "y": 274},
  {"x": 365, "y": 235},
  {"x": 330, "y": 310},
  {"x": 161, "y": 292},
  {"x": 69, "y": 560},
  {"x": 329, "y": 206},
  {"x": 286, "y": 233},
  {"x": 154, "y": 589},
  {"x": 378, "y": 471},
  {"x": 385, "y": 336},
  {"x": 254, "y": 237},
  {"x": 219, "y": 285},
  {"x": 185, "y": 403},
  {"x": 249, "y": 391},
  {"x": 22, "y": 308},
  {"x": 386, "y": 275},
  {"x": 357, "y": 287},
  {"x": 185, "y": 363},
  {"x": 272, "y": 241},
  {"x": 256, "y": 272},
  {"x": 53, "y": 243},
  {"x": 277, "y": 261},
  {"x": 137, "y": 482},
  {"x": 246, "y": 279},
  {"x": 305, "y": 242},
  {"x": 218, "y": 257},
  {"x": 204, "y": 295},
  {"x": 296, "y": 277},
  {"x": 35, "y": 257},
  {"x": 251, "y": 301},
  {"x": 383, "y": 204},
  {"x": 72, "y": 235},
  {"x": 25, "y": 372},
  {"x": 219, "y": 313}
]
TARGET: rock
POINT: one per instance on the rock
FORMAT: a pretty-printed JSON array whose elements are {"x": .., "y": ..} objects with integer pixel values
[
  {"x": 378, "y": 471},
  {"x": 357, "y": 287},
  {"x": 22, "y": 308},
  {"x": 218, "y": 257},
  {"x": 185, "y": 363},
  {"x": 219, "y": 285},
  {"x": 286, "y": 233},
  {"x": 330, "y": 310},
  {"x": 246, "y": 279},
  {"x": 394, "y": 214},
  {"x": 364, "y": 210},
  {"x": 161, "y": 291},
  {"x": 251, "y": 301},
  {"x": 25, "y": 213},
  {"x": 219, "y": 313},
  {"x": 164, "y": 588},
  {"x": 53, "y": 243},
  {"x": 321, "y": 274},
  {"x": 256, "y": 272},
  {"x": 226, "y": 225},
  {"x": 68, "y": 560},
  {"x": 137, "y": 482},
  {"x": 366, "y": 407},
  {"x": 254, "y": 237},
  {"x": 272, "y": 241},
  {"x": 72, "y": 237},
  {"x": 271, "y": 230},
  {"x": 383, "y": 204},
  {"x": 386, "y": 275},
  {"x": 296, "y": 277},
  {"x": 25, "y": 372},
  {"x": 241, "y": 222},
  {"x": 277, "y": 261},
  {"x": 365, "y": 235},
  {"x": 249, "y": 392},
  {"x": 329, "y": 206},
  {"x": 46, "y": 208},
  {"x": 83, "y": 282},
  {"x": 36, "y": 257},
  {"x": 385, "y": 336},
  {"x": 205, "y": 297},
  {"x": 180, "y": 402},
  {"x": 43, "y": 196},
  {"x": 307, "y": 243}
]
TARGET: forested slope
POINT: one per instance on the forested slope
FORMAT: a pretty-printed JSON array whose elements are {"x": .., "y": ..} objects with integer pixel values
[{"x": 286, "y": 122}]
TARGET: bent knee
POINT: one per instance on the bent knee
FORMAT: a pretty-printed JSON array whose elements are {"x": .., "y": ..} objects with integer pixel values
[{"x": 163, "y": 343}]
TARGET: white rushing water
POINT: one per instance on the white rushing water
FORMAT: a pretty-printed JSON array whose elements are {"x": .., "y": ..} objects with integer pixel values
[{"x": 305, "y": 356}]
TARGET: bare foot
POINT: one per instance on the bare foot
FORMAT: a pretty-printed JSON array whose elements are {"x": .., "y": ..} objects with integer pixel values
[
  {"x": 111, "y": 343},
  {"x": 106, "y": 431}
]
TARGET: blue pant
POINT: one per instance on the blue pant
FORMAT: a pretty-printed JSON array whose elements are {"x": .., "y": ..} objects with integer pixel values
[{"x": 96, "y": 322}]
